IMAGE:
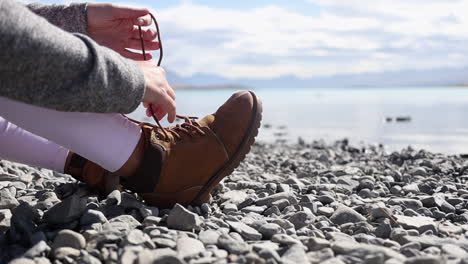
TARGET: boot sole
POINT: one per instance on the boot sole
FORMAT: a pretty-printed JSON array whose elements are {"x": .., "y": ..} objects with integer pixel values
[{"x": 244, "y": 148}]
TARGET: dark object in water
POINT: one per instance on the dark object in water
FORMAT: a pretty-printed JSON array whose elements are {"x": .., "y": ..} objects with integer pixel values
[
  {"x": 403, "y": 119},
  {"x": 464, "y": 156},
  {"x": 389, "y": 119}
]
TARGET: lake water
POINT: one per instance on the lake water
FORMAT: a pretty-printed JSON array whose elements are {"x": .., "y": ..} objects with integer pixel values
[{"x": 439, "y": 115}]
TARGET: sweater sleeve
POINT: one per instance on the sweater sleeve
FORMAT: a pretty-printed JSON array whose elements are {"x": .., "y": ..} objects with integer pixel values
[
  {"x": 46, "y": 66},
  {"x": 71, "y": 18}
]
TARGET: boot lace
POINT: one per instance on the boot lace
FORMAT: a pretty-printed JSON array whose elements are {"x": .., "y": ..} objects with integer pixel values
[{"x": 190, "y": 127}]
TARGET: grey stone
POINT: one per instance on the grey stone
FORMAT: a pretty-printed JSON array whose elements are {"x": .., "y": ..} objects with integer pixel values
[
  {"x": 429, "y": 241},
  {"x": 276, "y": 197},
  {"x": 284, "y": 239},
  {"x": 315, "y": 243},
  {"x": 454, "y": 250},
  {"x": 363, "y": 250},
  {"x": 229, "y": 208},
  {"x": 344, "y": 215},
  {"x": 233, "y": 246},
  {"x": 420, "y": 223},
  {"x": 274, "y": 210},
  {"x": 333, "y": 261},
  {"x": 66, "y": 211},
  {"x": 22, "y": 261},
  {"x": 113, "y": 198},
  {"x": 39, "y": 249},
  {"x": 253, "y": 209},
  {"x": 419, "y": 171},
  {"x": 123, "y": 223},
  {"x": 69, "y": 238},
  {"x": 406, "y": 202},
  {"x": 164, "y": 242},
  {"x": 270, "y": 229},
  {"x": 182, "y": 219},
  {"x": 326, "y": 211},
  {"x": 23, "y": 222},
  {"x": 208, "y": 237},
  {"x": 7, "y": 200},
  {"x": 326, "y": 199},
  {"x": 301, "y": 219},
  {"x": 411, "y": 188},
  {"x": 136, "y": 237},
  {"x": 295, "y": 254},
  {"x": 244, "y": 230},
  {"x": 234, "y": 196},
  {"x": 320, "y": 256},
  {"x": 63, "y": 252},
  {"x": 424, "y": 260},
  {"x": 281, "y": 204},
  {"x": 383, "y": 230},
  {"x": 187, "y": 246},
  {"x": 91, "y": 217}
]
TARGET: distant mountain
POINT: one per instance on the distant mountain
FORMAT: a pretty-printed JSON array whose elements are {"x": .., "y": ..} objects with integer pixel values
[{"x": 433, "y": 77}]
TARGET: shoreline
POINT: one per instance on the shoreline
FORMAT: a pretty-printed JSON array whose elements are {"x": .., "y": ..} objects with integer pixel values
[{"x": 307, "y": 202}]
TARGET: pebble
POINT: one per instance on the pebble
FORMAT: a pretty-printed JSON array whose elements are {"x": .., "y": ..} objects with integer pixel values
[
  {"x": 233, "y": 246},
  {"x": 187, "y": 246},
  {"x": 270, "y": 229},
  {"x": 276, "y": 197},
  {"x": 69, "y": 238},
  {"x": 295, "y": 254},
  {"x": 245, "y": 231},
  {"x": 209, "y": 237},
  {"x": 7, "y": 200},
  {"x": 66, "y": 211},
  {"x": 91, "y": 217},
  {"x": 182, "y": 219},
  {"x": 311, "y": 202},
  {"x": 344, "y": 214}
]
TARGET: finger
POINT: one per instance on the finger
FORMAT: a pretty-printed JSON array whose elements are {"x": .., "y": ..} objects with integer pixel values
[
  {"x": 142, "y": 21},
  {"x": 171, "y": 111},
  {"x": 136, "y": 44},
  {"x": 119, "y": 11},
  {"x": 147, "y": 34},
  {"x": 160, "y": 114},
  {"x": 145, "y": 104},
  {"x": 171, "y": 92},
  {"x": 135, "y": 55}
]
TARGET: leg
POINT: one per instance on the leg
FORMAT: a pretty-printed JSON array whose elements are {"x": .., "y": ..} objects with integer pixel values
[
  {"x": 17, "y": 144},
  {"x": 106, "y": 139}
]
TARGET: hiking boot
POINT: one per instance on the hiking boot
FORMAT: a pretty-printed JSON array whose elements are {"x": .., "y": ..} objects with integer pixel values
[{"x": 183, "y": 163}]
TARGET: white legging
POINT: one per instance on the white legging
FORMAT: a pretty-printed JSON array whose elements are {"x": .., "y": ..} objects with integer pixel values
[{"x": 42, "y": 137}]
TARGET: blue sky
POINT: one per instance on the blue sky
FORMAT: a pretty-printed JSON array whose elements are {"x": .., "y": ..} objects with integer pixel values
[{"x": 264, "y": 39}]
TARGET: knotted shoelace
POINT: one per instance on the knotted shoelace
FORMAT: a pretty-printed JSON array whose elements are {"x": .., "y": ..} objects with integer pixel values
[{"x": 190, "y": 124}]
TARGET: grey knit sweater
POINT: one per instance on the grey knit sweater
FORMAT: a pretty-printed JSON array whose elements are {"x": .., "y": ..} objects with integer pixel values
[{"x": 49, "y": 61}]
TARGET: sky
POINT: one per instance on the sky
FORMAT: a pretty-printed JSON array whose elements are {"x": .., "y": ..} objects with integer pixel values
[{"x": 263, "y": 39}]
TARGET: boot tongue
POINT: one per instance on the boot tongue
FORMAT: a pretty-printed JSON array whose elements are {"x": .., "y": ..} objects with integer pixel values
[{"x": 207, "y": 121}]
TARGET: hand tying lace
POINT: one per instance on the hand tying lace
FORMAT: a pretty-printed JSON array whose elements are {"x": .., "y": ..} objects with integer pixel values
[{"x": 190, "y": 126}]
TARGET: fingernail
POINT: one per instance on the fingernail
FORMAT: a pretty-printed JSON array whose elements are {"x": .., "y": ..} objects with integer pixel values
[{"x": 141, "y": 21}]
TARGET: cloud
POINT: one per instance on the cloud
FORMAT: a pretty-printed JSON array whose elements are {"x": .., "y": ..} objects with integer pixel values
[{"x": 352, "y": 36}]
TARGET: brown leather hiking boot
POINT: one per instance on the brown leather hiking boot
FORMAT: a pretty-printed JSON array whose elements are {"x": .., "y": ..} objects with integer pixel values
[{"x": 183, "y": 163}]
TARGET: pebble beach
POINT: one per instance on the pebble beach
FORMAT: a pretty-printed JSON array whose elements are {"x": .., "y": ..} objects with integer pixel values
[{"x": 305, "y": 202}]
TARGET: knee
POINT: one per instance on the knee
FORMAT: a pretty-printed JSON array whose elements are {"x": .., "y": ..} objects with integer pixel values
[{"x": 3, "y": 125}]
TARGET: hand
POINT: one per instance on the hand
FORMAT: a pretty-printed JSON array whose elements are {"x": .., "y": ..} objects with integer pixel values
[
  {"x": 116, "y": 27},
  {"x": 159, "y": 94}
]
